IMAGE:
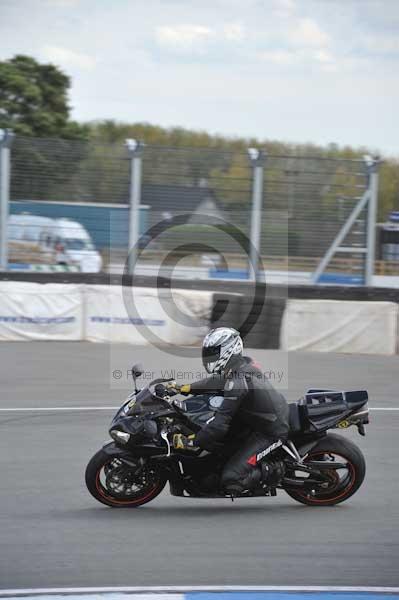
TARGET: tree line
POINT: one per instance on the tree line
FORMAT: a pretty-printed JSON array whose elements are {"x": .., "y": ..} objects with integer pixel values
[{"x": 34, "y": 104}]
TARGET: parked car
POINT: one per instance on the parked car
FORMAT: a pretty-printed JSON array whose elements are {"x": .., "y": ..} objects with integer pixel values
[{"x": 34, "y": 239}]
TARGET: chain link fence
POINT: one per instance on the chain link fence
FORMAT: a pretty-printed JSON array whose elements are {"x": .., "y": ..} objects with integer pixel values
[{"x": 196, "y": 209}]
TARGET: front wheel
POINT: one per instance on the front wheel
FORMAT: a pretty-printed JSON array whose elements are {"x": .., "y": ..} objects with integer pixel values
[
  {"x": 337, "y": 485},
  {"x": 116, "y": 483}
]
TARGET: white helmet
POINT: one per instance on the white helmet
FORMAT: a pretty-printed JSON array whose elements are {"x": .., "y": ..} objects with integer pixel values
[{"x": 219, "y": 346}]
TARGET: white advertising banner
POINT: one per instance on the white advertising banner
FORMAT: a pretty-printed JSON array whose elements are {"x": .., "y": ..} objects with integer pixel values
[
  {"x": 146, "y": 315},
  {"x": 34, "y": 311},
  {"x": 340, "y": 326}
]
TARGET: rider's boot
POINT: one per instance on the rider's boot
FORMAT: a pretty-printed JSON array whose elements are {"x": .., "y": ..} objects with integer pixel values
[{"x": 269, "y": 473}]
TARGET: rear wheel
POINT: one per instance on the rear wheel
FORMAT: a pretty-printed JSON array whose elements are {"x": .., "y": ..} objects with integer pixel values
[
  {"x": 337, "y": 485},
  {"x": 119, "y": 484}
]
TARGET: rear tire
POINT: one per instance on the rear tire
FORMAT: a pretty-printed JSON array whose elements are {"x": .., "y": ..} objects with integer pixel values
[
  {"x": 352, "y": 455},
  {"x": 103, "y": 473}
]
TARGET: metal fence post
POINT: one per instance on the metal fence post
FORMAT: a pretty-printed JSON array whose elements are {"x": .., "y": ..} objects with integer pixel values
[
  {"x": 135, "y": 149},
  {"x": 257, "y": 159},
  {"x": 6, "y": 137},
  {"x": 371, "y": 219}
]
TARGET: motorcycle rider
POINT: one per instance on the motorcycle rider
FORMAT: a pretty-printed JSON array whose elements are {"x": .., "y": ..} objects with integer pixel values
[{"x": 250, "y": 406}]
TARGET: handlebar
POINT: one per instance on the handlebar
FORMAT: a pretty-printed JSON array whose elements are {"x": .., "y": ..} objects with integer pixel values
[{"x": 159, "y": 390}]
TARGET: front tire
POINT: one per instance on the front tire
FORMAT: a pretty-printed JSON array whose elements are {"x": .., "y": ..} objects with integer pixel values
[
  {"x": 338, "y": 490},
  {"x": 118, "y": 484}
]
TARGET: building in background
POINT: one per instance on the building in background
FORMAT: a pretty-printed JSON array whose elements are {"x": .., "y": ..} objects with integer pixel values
[{"x": 389, "y": 238}]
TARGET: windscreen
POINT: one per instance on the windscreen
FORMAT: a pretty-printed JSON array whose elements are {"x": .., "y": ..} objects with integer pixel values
[{"x": 78, "y": 244}]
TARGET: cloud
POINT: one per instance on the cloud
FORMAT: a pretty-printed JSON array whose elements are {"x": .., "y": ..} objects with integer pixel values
[
  {"x": 300, "y": 42},
  {"x": 328, "y": 62},
  {"x": 287, "y": 58},
  {"x": 279, "y": 57},
  {"x": 234, "y": 32},
  {"x": 189, "y": 38},
  {"x": 284, "y": 8},
  {"x": 63, "y": 3},
  {"x": 182, "y": 36},
  {"x": 323, "y": 56},
  {"x": 170, "y": 62},
  {"x": 382, "y": 44},
  {"x": 68, "y": 58},
  {"x": 308, "y": 33}
]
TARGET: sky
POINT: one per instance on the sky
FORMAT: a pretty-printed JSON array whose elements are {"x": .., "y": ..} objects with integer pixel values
[{"x": 321, "y": 71}]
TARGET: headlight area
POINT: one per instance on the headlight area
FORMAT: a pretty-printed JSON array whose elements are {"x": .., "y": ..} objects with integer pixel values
[
  {"x": 132, "y": 430},
  {"x": 121, "y": 437}
]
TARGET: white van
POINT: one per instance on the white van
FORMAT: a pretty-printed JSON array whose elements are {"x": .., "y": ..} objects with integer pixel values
[{"x": 37, "y": 239}]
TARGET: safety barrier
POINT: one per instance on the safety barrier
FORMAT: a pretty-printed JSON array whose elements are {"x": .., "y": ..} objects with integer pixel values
[
  {"x": 339, "y": 326},
  {"x": 271, "y": 290},
  {"x": 31, "y": 311},
  {"x": 158, "y": 315}
]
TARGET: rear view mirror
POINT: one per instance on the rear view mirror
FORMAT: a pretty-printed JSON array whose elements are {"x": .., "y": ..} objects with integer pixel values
[{"x": 137, "y": 370}]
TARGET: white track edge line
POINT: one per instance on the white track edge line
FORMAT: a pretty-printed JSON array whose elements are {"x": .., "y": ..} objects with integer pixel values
[
  {"x": 198, "y": 588},
  {"x": 88, "y": 408}
]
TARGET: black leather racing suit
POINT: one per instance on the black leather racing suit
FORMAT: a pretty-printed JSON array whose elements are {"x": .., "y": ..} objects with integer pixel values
[{"x": 252, "y": 409}]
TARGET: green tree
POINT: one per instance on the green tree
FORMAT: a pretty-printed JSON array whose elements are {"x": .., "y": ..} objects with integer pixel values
[
  {"x": 34, "y": 100},
  {"x": 313, "y": 191},
  {"x": 388, "y": 188}
]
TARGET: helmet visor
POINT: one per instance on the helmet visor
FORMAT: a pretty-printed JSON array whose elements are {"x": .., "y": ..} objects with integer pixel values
[{"x": 210, "y": 356}]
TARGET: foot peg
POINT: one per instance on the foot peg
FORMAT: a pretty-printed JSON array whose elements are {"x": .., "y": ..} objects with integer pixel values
[{"x": 273, "y": 472}]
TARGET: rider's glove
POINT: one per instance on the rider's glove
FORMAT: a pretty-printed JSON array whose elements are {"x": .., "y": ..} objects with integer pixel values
[
  {"x": 184, "y": 389},
  {"x": 184, "y": 442},
  {"x": 171, "y": 388},
  {"x": 171, "y": 385}
]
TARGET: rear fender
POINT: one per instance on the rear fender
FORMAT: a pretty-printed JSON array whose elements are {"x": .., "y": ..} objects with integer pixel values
[
  {"x": 330, "y": 441},
  {"x": 303, "y": 449}
]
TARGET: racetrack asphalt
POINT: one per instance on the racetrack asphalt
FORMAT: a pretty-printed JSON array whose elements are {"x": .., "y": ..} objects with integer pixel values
[{"x": 54, "y": 534}]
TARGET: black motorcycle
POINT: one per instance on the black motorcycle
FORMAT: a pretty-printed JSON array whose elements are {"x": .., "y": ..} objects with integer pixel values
[{"x": 313, "y": 467}]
